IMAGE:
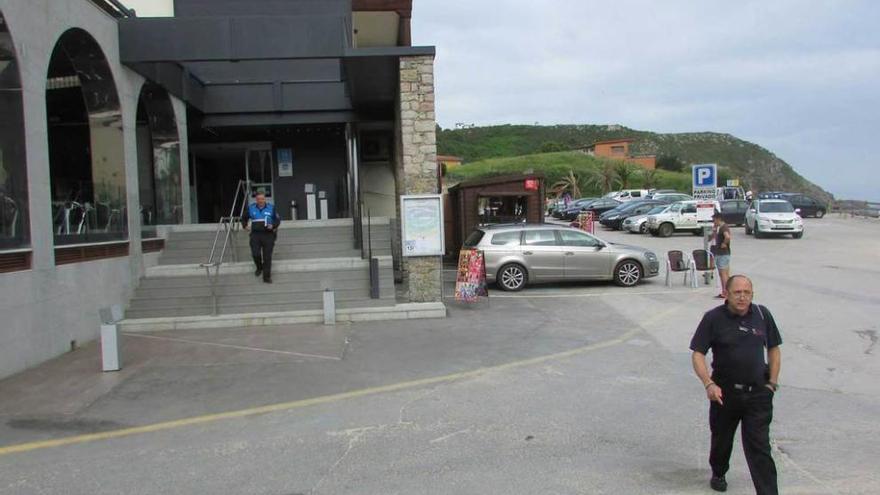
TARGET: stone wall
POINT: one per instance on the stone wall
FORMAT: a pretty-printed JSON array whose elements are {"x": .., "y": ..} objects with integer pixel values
[{"x": 417, "y": 164}]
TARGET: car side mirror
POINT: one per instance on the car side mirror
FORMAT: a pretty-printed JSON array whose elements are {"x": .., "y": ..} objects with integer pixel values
[
  {"x": 798, "y": 211},
  {"x": 600, "y": 246}
]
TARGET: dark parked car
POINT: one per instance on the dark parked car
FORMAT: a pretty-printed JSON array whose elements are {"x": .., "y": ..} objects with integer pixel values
[
  {"x": 809, "y": 207},
  {"x": 614, "y": 218},
  {"x": 601, "y": 206},
  {"x": 570, "y": 212},
  {"x": 734, "y": 211}
]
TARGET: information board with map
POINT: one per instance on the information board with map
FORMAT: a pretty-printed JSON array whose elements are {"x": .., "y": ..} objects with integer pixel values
[{"x": 422, "y": 225}]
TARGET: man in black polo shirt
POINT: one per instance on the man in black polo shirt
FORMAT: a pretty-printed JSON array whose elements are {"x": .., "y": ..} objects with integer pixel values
[{"x": 742, "y": 383}]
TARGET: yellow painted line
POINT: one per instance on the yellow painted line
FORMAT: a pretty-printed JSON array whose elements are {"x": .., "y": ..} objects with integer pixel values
[{"x": 326, "y": 399}]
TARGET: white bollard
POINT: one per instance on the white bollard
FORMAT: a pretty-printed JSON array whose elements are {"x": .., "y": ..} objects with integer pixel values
[
  {"x": 329, "y": 307},
  {"x": 110, "y": 355}
]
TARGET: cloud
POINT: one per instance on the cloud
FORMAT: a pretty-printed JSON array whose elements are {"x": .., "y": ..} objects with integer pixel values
[{"x": 796, "y": 77}]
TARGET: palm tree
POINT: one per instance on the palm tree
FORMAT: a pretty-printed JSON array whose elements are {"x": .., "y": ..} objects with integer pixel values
[
  {"x": 624, "y": 172},
  {"x": 649, "y": 178},
  {"x": 603, "y": 177},
  {"x": 570, "y": 183}
]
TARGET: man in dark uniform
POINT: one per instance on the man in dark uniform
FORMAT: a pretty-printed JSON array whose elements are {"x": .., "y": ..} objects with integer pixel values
[
  {"x": 742, "y": 384},
  {"x": 264, "y": 223}
]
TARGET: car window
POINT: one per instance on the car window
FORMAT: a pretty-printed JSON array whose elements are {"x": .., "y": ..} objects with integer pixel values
[
  {"x": 506, "y": 239},
  {"x": 474, "y": 239},
  {"x": 636, "y": 194},
  {"x": 657, "y": 210},
  {"x": 781, "y": 207},
  {"x": 689, "y": 208},
  {"x": 539, "y": 238},
  {"x": 575, "y": 238},
  {"x": 675, "y": 208}
]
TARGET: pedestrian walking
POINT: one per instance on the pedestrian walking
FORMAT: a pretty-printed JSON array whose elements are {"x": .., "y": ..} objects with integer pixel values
[
  {"x": 742, "y": 384},
  {"x": 721, "y": 250},
  {"x": 264, "y": 222}
]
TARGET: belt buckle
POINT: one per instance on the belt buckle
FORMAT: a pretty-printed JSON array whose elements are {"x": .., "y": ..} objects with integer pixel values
[{"x": 743, "y": 387}]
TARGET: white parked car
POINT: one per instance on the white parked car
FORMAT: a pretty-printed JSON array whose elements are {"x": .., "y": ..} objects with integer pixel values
[
  {"x": 773, "y": 216},
  {"x": 681, "y": 216},
  {"x": 638, "y": 224},
  {"x": 630, "y": 194}
]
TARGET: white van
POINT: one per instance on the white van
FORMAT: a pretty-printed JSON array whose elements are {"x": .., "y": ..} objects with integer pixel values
[
  {"x": 630, "y": 194},
  {"x": 680, "y": 216}
]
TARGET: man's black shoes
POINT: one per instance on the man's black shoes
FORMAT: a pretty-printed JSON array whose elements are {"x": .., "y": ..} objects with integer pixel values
[
  {"x": 258, "y": 272},
  {"x": 718, "y": 483},
  {"x": 267, "y": 280}
]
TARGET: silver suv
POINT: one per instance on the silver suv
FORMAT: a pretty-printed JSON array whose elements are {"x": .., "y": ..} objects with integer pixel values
[{"x": 519, "y": 254}]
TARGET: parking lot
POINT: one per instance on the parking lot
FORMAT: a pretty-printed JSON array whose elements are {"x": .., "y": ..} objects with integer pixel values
[{"x": 565, "y": 388}]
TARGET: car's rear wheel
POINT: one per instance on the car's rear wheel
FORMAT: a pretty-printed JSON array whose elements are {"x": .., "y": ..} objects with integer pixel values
[
  {"x": 666, "y": 230},
  {"x": 820, "y": 213},
  {"x": 627, "y": 273},
  {"x": 512, "y": 277}
]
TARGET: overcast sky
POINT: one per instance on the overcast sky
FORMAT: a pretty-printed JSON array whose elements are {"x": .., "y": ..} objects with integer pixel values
[{"x": 800, "y": 78}]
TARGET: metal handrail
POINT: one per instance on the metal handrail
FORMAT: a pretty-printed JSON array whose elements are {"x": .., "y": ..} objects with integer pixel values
[
  {"x": 227, "y": 225},
  {"x": 367, "y": 250}
]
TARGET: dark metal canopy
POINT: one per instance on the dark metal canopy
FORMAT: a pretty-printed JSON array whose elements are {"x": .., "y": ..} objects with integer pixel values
[{"x": 265, "y": 70}]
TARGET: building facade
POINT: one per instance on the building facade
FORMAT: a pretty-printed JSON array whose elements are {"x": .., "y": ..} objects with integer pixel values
[
  {"x": 119, "y": 129},
  {"x": 619, "y": 149}
]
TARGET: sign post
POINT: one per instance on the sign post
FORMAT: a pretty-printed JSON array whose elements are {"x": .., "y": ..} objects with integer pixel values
[{"x": 705, "y": 185}]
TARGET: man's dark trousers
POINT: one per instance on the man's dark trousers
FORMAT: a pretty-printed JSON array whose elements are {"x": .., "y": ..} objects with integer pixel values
[
  {"x": 262, "y": 245},
  {"x": 755, "y": 410}
]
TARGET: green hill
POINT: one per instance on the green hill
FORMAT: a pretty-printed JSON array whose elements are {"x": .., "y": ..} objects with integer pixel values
[
  {"x": 758, "y": 168},
  {"x": 557, "y": 165}
]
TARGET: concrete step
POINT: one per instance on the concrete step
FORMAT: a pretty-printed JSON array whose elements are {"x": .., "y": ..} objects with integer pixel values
[
  {"x": 387, "y": 311},
  {"x": 265, "y": 297},
  {"x": 294, "y": 290},
  {"x": 280, "y": 279},
  {"x": 235, "y": 309}
]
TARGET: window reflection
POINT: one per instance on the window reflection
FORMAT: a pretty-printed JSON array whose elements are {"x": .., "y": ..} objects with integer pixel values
[
  {"x": 86, "y": 156},
  {"x": 14, "y": 227},
  {"x": 161, "y": 198}
]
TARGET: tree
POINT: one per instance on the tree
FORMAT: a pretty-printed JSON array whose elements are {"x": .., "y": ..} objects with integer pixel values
[
  {"x": 670, "y": 162},
  {"x": 551, "y": 147},
  {"x": 624, "y": 173},
  {"x": 603, "y": 177},
  {"x": 649, "y": 178},
  {"x": 569, "y": 183}
]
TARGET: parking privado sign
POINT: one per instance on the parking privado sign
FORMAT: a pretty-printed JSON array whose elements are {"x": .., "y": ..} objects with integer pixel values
[{"x": 705, "y": 180}]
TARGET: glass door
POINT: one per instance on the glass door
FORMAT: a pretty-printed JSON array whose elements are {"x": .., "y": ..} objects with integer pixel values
[{"x": 258, "y": 171}]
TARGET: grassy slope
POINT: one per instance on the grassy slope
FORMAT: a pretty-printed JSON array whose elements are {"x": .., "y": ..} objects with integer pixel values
[
  {"x": 556, "y": 165},
  {"x": 757, "y": 167}
]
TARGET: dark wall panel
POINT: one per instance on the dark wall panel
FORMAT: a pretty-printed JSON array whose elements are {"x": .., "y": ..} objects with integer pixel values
[{"x": 185, "y": 8}]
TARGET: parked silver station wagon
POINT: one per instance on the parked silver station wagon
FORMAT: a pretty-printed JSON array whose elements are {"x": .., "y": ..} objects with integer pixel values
[{"x": 520, "y": 254}]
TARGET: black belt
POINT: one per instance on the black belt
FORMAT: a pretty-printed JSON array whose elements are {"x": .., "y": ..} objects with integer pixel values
[{"x": 745, "y": 387}]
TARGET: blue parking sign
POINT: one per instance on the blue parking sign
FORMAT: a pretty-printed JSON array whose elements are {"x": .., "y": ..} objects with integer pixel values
[{"x": 705, "y": 175}]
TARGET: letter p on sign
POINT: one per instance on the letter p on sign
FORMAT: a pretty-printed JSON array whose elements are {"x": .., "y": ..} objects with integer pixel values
[{"x": 704, "y": 175}]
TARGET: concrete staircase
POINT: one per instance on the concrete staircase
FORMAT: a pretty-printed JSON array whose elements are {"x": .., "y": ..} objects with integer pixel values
[
  {"x": 309, "y": 258},
  {"x": 300, "y": 241}
]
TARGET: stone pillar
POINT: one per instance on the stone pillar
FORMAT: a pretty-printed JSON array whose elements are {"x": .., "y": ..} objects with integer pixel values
[{"x": 417, "y": 165}]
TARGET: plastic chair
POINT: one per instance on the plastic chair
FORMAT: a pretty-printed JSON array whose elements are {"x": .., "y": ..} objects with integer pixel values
[
  {"x": 677, "y": 261},
  {"x": 704, "y": 261}
]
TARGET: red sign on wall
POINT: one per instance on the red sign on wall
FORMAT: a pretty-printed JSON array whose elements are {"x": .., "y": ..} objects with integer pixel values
[{"x": 531, "y": 184}]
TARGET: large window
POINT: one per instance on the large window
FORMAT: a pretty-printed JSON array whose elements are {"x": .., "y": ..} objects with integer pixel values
[
  {"x": 14, "y": 228},
  {"x": 502, "y": 209},
  {"x": 86, "y": 157},
  {"x": 159, "y": 179}
]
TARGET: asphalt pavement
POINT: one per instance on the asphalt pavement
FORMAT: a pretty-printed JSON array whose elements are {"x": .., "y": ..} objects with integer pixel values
[{"x": 562, "y": 389}]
